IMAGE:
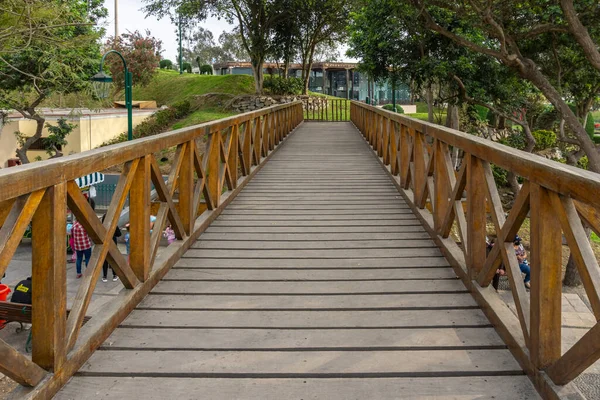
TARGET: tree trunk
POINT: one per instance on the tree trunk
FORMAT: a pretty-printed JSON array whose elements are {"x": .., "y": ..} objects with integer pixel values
[
  {"x": 257, "y": 69},
  {"x": 307, "y": 77},
  {"x": 532, "y": 73},
  {"x": 452, "y": 117},
  {"x": 21, "y": 152},
  {"x": 572, "y": 277},
  {"x": 429, "y": 104}
]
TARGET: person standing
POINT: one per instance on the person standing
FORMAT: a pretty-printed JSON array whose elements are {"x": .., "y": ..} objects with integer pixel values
[
  {"x": 522, "y": 259},
  {"x": 82, "y": 246},
  {"x": 116, "y": 234}
]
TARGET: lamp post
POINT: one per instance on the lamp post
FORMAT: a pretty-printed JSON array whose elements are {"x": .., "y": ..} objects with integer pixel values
[{"x": 102, "y": 82}]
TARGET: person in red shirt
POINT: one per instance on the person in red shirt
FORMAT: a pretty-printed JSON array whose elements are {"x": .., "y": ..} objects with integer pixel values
[{"x": 82, "y": 246}]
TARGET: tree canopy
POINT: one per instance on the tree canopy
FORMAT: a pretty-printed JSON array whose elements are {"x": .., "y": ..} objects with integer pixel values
[{"x": 60, "y": 57}]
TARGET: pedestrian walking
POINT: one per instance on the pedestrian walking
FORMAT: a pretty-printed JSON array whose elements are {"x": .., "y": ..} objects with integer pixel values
[{"x": 116, "y": 234}]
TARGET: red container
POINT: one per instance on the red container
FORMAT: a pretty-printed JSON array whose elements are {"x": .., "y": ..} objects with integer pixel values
[{"x": 4, "y": 291}]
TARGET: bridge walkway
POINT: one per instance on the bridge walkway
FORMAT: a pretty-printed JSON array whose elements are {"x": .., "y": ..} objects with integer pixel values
[{"x": 317, "y": 281}]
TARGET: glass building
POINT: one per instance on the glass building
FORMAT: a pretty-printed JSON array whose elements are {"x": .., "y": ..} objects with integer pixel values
[{"x": 334, "y": 79}]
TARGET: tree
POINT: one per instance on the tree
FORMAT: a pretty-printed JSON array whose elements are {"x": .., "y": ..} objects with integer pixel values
[
  {"x": 318, "y": 22},
  {"x": 505, "y": 33},
  {"x": 57, "y": 138},
  {"x": 57, "y": 60},
  {"x": 255, "y": 20},
  {"x": 142, "y": 54},
  {"x": 232, "y": 47},
  {"x": 204, "y": 49},
  {"x": 166, "y": 64},
  {"x": 206, "y": 70}
]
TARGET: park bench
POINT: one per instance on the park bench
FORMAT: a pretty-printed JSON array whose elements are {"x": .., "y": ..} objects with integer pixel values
[{"x": 21, "y": 313}]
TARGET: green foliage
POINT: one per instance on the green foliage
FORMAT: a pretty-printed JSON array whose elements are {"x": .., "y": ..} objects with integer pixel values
[
  {"x": 500, "y": 175},
  {"x": 187, "y": 67},
  {"x": 159, "y": 122},
  {"x": 482, "y": 112},
  {"x": 61, "y": 60},
  {"x": 169, "y": 87},
  {"x": 280, "y": 86},
  {"x": 390, "y": 107},
  {"x": 544, "y": 139},
  {"x": 547, "y": 120},
  {"x": 515, "y": 140},
  {"x": 206, "y": 70},
  {"x": 142, "y": 53},
  {"x": 166, "y": 64},
  {"x": 57, "y": 136},
  {"x": 589, "y": 125},
  {"x": 583, "y": 162}
]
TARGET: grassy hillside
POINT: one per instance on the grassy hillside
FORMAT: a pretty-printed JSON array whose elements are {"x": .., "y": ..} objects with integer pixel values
[{"x": 169, "y": 87}]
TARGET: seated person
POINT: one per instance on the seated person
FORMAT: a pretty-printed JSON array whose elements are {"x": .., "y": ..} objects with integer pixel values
[
  {"x": 522, "y": 258},
  {"x": 22, "y": 293}
]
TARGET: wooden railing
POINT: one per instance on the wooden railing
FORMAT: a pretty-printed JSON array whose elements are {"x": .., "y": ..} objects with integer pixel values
[
  {"x": 326, "y": 109},
  {"x": 557, "y": 199},
  {"x": 199, "y": 185}
]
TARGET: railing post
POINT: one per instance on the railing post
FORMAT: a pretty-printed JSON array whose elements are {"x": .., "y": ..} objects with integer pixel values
[
  {"x": 213, "y": 157},
  {"x": 139, "y": 220},
  {"x": 476, "y": 216},
  {"x": 546, "y": 285},
  {"x": 49, "y": 280}
]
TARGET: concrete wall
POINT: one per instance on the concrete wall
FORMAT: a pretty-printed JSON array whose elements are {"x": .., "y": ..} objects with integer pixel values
[{"x": 91, "y": 131}]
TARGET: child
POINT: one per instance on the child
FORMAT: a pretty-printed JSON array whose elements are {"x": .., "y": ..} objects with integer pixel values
[
  {"x": 169, "y": 234},
  {"x": 82, "y": 246}
]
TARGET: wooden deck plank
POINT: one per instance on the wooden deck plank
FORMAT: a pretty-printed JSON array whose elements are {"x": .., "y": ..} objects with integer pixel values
[
  {"x": 316, "y": 302},
  {"x": 410, "y": 362},
  {"x": 180, "y": 272},
  {"x": 307, "y": 237},
  {"x": 302, "y": 339},
  {"x": 313, "y": 245},
  {"x": 193, "y": 287},
  {"x": 317, "y": 229},
  {"x": 307, "y": 319},
  {"x": 363, "y": 263},
  {"x": 318, "y": 253},
  {"x": 464, "y": 388}
]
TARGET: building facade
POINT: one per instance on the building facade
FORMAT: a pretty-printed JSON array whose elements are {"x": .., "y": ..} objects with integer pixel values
[{"x": 332, "y": 78}]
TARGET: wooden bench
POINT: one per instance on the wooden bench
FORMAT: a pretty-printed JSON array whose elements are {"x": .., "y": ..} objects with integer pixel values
[{"x": 21, "y": 313}]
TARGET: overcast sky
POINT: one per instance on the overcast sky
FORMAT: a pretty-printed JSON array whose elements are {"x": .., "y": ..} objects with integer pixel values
[{"x": 131, "y": 18}]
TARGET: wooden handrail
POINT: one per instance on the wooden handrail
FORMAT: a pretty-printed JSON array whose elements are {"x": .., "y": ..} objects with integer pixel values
[
  {"x": 199, "y": 186},
  {"x": 558, "y": 198}
]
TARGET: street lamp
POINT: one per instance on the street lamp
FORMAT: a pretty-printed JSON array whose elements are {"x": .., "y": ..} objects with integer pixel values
[{"x": 101, "y": 83}]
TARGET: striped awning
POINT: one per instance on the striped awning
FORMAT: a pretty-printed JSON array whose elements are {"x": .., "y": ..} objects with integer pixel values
[{"x": 88, "y": 180}]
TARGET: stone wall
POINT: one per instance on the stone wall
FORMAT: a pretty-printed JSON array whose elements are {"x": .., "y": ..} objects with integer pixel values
[{"x": 243, "y": 104}]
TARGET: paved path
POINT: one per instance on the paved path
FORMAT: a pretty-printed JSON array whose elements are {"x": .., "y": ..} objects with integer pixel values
[{"x": 317, "y": 281}]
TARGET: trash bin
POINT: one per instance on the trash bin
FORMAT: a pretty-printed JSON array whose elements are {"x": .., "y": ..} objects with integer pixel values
[{"x": 4, "y": 291}]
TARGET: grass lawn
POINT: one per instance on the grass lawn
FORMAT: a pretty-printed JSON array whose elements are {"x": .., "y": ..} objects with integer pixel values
[
  {"x": 437, "y": 117},
  {"x": 169, "y": 87},
  {"x": 202, "y": 115},
  {"x": 340, "y": 114}
]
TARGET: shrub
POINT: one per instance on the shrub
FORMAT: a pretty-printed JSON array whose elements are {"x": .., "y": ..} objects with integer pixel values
[
  {"x": 157, "y": 123},
  {"x": 515, "y": 140},
  {"x": 482, "y": 112},
  {"x": 280, "y": 86},
  {"x": 583, "y": 162},
  {"x": 500, "y": 175},
  {"x": 187, "y": 67},
  {"x": 590, "y": 126},
  {"x": 544, "y": 139},
  {"x": 165, "y": 64},
  {"x": 206, "y": 70},
  {"x": 390, "y": 107}
]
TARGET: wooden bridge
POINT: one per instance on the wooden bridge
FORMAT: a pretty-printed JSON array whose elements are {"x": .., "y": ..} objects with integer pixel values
[{"x": 311, "y": 263}]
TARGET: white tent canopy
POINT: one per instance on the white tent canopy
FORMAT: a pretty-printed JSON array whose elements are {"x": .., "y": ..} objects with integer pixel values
[{"x": 89, "y": 180}]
